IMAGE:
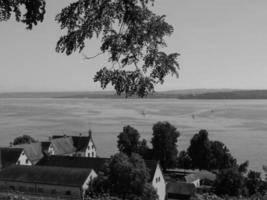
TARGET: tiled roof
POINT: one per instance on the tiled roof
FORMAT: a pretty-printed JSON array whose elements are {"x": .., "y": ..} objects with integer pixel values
[
  {"x": 191, "y": 178},
  {"x": 74, "y": 162},
  {"x": 181, "y": 188},
  {"x": 63, "y": 145},
  {"x": 45, "y": 175},
  {"x": 9, "y": 156},
  {"x": 80, "y": 142},
  {"x": 86, "y": 162},
  {"x": 33, "y": 151}
]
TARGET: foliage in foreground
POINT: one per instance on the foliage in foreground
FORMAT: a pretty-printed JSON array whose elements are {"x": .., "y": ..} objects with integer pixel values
[{"x": 131, "y": 34}]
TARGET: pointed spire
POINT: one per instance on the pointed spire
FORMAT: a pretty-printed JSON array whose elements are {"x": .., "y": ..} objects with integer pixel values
[{"x": 90, "y": 133}]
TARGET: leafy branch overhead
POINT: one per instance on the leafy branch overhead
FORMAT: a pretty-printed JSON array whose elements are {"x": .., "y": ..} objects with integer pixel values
[
  {"x": 131, "y": 34},
  {"x": 34, "y": 11}
]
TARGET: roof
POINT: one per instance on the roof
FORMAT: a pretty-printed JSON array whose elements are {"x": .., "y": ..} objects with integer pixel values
[
  {"x": 191, "y": 178},
  {"x": 63, "y": 145},
  {"x": 181, "y": 188},
  {"x": 74, "y": 162},
  {"x": 9, "y": 156},
  {"x": 79, "y": 142},
  {"x": 86, "y": 162},
  {"x": 46, "y": 175},
  {"x": 33, "y": 151}
]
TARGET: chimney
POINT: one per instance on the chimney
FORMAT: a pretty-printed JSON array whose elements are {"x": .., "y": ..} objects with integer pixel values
[
  {"x": 49, "y": 138},
  {"x": 11, "y": 144},
  {"x": 80, "y": 134},
  {"x": 90, "y": 133}
]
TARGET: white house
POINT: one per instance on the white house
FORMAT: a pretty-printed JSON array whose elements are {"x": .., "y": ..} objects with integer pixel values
[{"x": 84, "y": 145}]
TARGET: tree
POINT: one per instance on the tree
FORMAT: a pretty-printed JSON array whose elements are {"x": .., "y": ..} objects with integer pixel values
[
  {"x": 254, "y": 183},
  {"x": 25, "y": 139},
  {"x": 221, "y": 156},
  {"x": 209, "y": 155},
  {"x": 200, "y": 150},
  {"x": 130, "y": 33},
  {"x": 34, "y": 11},
  {"x": 127, "y": 178},
  {"x": 144, "y": 150},
  {"x": 184, "y": 161},
  {"x": 164, "y": 145},
  {"x": 230, "y": 182},
  {"x": 128, "y": 140}
]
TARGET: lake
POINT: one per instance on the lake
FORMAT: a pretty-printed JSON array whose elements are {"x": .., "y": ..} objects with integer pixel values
[{"x": 240, "y": 124}]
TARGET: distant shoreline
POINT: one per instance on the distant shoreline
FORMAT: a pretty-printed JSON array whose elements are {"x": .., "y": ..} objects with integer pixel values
[{"x": 176, "y": 94}]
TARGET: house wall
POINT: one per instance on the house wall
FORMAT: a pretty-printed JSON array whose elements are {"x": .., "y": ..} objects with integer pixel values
[
  {"x": 42, "y": 189},
  {"x": 51, "y": 150},
  {"x": 23, "y": 159},
  {"x": 159, "y": 183},
  {"x": 196, "y": 182},
  {"x": 90, "y": 150},
  {"x": 89, "y": 179}
]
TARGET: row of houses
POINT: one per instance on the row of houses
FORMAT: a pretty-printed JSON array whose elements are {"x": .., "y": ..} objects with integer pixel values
[
  {"x": 64, "y": 166},
  {"x": 30, "y": 154}
]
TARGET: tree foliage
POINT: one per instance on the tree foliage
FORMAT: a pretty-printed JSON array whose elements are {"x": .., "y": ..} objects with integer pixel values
[
  {"x": 130, "y": 33},
  {"x": 230, "y": 182},
  {"x": 128, "y": 140},
  {"x": 207, "y": 154},
  {"x": 200, "y": 150},
  {"x": 165, "y": 137},
  {"x": 132, "y": 36},
  {"x": 34, "y": 11},
  {"x": 25, "y": 139},
  {"x": 125, "y": 177}
]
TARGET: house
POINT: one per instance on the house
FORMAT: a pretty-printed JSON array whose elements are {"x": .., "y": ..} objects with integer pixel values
[
  {"x": 180, "y": 190},
  {"x": 61, "y": 146},
  {"x": 193, "y": 178},
  {"x": 31, "y": 153},
  {"x": 47, "y": 181},
  {"x": 9, "y": 156},
  {"x": 85, "y": 146},
  {"x": 157, "y": 180}
]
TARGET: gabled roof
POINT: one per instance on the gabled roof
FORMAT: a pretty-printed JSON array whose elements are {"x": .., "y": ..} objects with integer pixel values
[
  {"x": 74, "y": 162},
  {"x": 80, "y": 142},
  {"x": 46, "y": 175},
  {"x": 33, "y": 151},
  {"x": 9, "y": 156},
  {"x": 96, "y": 164},
  {"x": 191, "y": 178},
  {"x": 63, "y": 145},
  {"x": 181, "y": 188}
]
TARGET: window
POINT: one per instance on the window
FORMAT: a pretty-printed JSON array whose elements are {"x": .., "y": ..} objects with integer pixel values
[
  {"x": 68, "y": 192},
  {"x": 93, "y": 154},
  {"x": 27, "y": 161}
]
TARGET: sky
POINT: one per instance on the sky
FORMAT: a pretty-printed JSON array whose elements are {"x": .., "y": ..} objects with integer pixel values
[{"x": 223, "y": 44}]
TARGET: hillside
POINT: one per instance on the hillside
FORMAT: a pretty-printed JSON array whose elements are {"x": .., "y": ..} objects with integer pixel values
[{"x": 174, "y": 94}]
